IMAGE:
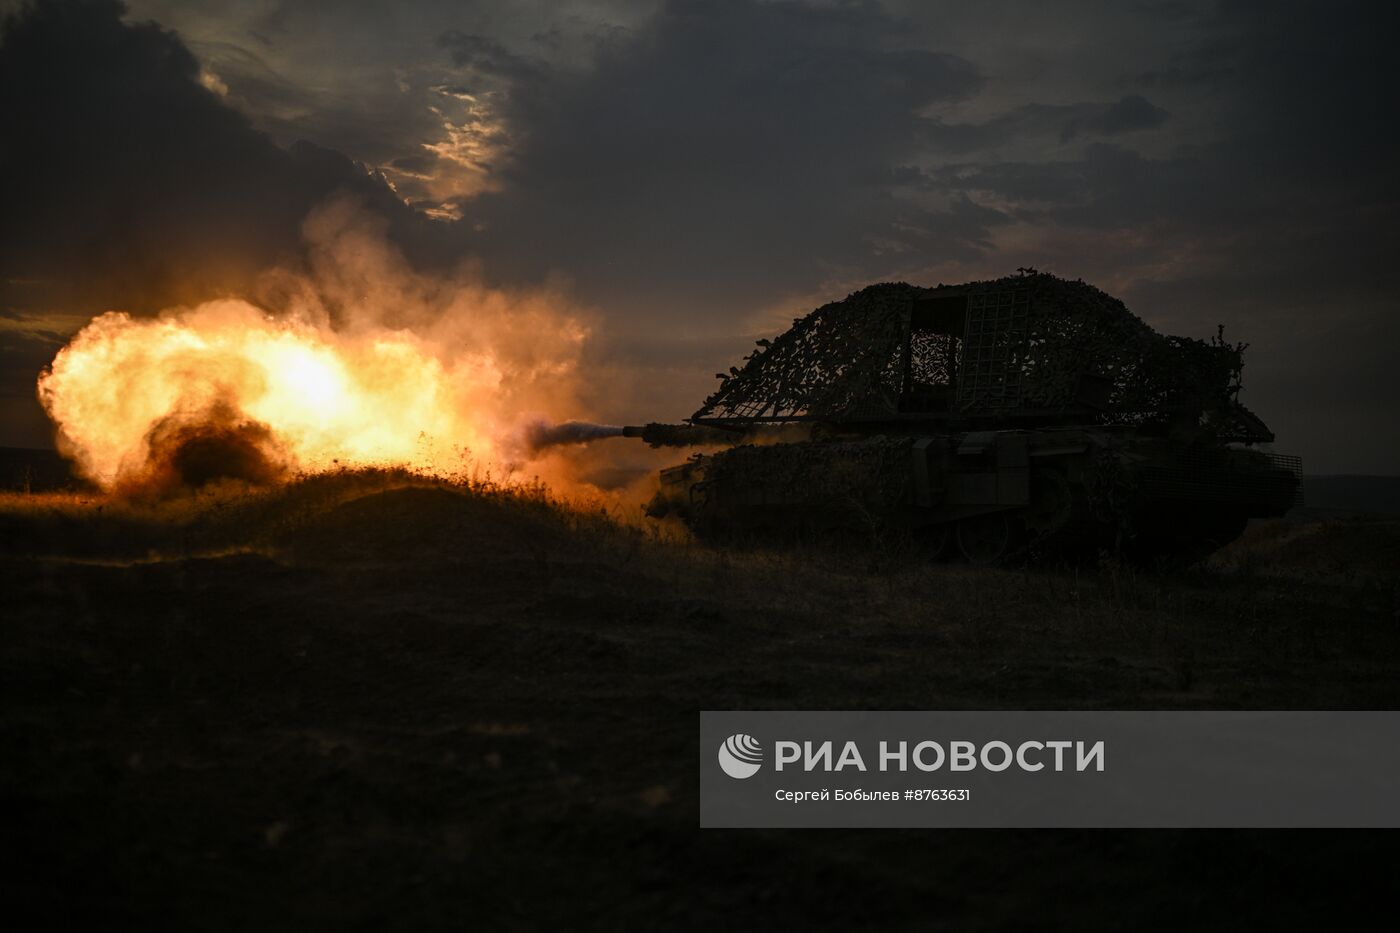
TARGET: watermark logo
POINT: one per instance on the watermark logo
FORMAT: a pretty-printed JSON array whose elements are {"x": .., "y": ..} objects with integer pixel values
[{"x": 741, "y": 755}]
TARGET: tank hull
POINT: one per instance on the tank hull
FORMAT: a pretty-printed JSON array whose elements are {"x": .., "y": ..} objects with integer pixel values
[{"x": 987, "y": 493}]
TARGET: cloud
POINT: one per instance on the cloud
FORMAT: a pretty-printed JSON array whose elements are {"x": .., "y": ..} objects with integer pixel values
[
  {"x": 1128, "y": 114},
  {"x": 717, "y": 154},
  {"x": 486, "y": 56},
  {"x": 1044, "y": 124},
  {"x": 124, "y": 181}
]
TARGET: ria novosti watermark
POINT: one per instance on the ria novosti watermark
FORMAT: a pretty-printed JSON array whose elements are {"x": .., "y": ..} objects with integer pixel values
[
  {"x": 741, "y": 754},
  {"x": 1124, "y": 769}
]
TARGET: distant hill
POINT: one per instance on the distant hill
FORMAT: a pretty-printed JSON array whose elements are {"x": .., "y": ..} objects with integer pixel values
[
  {"x": 25, "y": 469},
  {"x": 1378, "y": 495}
]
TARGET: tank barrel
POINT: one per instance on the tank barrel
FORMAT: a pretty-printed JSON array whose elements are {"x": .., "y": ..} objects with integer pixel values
[
  {"x": 679, "y": 435},
  {"x": 542, "y": 435}
]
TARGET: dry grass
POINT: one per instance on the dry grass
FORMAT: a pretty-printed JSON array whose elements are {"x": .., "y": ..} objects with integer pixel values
[
  {"x": 1288, "y": 595},
  {"x": 444, "y": 702}
]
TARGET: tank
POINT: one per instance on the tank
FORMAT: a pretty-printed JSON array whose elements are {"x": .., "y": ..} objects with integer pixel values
[{"x": 1023, "y": 413}]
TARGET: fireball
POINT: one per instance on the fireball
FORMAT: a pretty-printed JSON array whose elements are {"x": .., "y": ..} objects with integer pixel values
[{"x": 226, "y": 389}]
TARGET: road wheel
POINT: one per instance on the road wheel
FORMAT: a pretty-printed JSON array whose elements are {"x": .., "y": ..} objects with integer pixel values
[
  {"x": 1052, "y": 502},
  {"x": 985, "y": 539},
  {"x": 935, "y": 541}
]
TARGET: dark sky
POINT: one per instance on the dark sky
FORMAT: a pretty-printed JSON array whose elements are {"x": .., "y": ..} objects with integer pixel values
[{"x": 702, "y": 172}]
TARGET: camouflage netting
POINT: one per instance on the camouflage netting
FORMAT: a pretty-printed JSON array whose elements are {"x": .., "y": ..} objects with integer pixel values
[
  {"x": 1030, "y": 346},
  {"x": 840, "y": 361}
]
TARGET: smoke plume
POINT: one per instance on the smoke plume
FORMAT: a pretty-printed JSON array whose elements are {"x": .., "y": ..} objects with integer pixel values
[
  {"x": 221, "y": 444},
  {"x": 541, "y": 435}
]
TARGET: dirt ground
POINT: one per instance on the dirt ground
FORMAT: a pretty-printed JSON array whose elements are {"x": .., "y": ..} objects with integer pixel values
[{"x": 369, "y": 702}]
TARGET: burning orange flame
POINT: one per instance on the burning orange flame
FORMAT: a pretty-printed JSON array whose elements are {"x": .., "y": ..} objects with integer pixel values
[
  {"x": 367, "y": 361},
  {"x": 380, "y": 397}
]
